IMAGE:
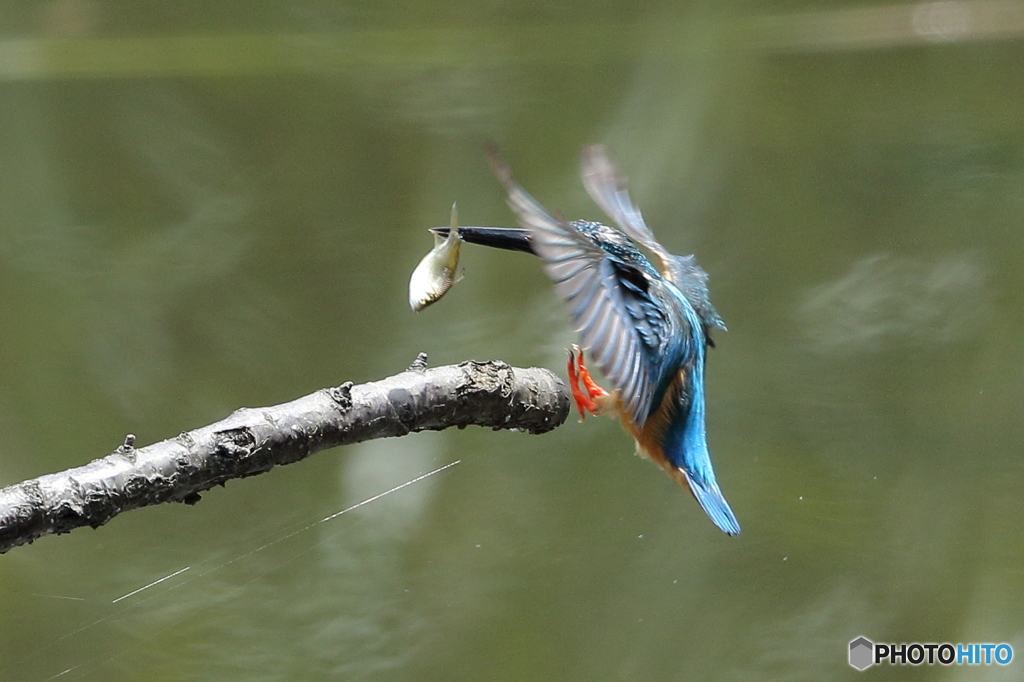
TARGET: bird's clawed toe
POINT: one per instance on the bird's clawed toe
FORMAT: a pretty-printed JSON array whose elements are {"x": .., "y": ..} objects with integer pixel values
[{"x": 590, "y": 400}]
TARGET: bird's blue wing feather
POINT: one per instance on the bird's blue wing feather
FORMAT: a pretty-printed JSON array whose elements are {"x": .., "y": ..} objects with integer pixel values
[
  {"x": 609, "y": 190},
  {"x": 607, "y": 292},
  {"x": 616, "y": 320}
]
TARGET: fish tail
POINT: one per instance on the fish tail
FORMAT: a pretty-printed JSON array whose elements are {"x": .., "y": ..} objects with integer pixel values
[{"x": 453, "y": 228}]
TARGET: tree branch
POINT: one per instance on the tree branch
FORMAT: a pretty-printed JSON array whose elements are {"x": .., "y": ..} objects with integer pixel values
[{"x": 252, "y": 441}]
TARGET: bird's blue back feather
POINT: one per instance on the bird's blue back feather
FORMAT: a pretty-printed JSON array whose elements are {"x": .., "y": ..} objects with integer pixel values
[{"x": 685, "y": 440}]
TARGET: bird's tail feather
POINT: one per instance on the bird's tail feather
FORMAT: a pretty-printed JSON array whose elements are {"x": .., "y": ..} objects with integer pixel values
[{"x": 713, "y": 503}]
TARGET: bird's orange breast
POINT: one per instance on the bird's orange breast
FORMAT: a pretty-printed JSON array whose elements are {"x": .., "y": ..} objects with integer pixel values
[{"x": 650, "y": 438}]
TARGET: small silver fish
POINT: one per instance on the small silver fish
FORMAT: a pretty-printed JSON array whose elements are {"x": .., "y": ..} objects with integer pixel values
[{"x": 436, "y": 273}]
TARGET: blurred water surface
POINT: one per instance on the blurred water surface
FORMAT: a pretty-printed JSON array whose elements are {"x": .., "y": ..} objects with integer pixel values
[{"x": 212, "y": 205}]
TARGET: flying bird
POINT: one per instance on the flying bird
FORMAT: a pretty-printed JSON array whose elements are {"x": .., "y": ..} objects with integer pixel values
[{"x": 647, "y": 327}]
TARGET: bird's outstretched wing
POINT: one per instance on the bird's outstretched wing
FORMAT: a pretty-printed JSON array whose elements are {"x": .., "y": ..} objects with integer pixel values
[
  {"x": 607, "y": 187},
  {"x": 610, "y": 191},
  {"x": 607, "y": 290}
]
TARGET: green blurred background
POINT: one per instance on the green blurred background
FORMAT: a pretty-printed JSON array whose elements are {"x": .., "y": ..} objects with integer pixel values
[{"x": 208, "y": 205}]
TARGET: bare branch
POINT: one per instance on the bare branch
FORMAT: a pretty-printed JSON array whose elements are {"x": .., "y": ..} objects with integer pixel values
[{"x": 253, "y": 440}]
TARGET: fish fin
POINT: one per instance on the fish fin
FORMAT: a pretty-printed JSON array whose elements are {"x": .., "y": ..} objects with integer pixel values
[{"x": 453, "y": 228}]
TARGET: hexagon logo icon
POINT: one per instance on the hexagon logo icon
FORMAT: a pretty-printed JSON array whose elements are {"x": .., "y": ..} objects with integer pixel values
[{"x": 862, "y": 653}]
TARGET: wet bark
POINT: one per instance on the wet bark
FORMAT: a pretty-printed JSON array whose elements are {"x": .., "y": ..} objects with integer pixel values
[{"x": 252, "y": 441}]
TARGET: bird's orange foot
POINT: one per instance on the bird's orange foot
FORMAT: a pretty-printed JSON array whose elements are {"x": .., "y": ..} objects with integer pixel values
[{"x": 591, "y": 401}]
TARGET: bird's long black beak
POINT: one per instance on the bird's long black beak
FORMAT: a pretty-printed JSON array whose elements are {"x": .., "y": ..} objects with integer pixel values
[{"x": 509, "y": 238}]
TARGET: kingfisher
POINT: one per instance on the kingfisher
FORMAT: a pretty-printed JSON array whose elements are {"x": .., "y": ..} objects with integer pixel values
[{"x": 648, "y": 327}]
